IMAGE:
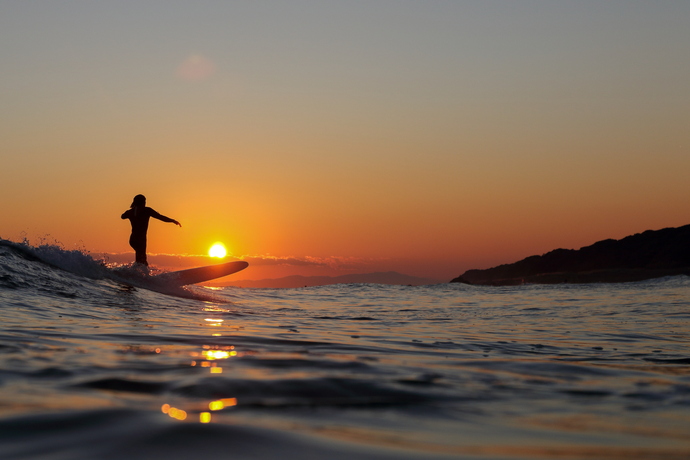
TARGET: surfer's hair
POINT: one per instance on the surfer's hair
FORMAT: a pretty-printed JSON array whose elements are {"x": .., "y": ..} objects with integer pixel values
[{"x": 139, "y": 200}]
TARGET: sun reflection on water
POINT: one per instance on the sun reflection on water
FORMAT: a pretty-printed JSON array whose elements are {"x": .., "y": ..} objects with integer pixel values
[
  {"x": 207, "y": 357},
  {"x": 204, "y": 415},
  {"x": 218, "y": 354},
  {"x": 222, "y": 403},
  {"x": 177, "y": 414}
]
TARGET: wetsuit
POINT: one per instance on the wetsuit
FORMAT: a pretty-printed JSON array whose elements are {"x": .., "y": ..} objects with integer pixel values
[{"x": 139, "y": 218}]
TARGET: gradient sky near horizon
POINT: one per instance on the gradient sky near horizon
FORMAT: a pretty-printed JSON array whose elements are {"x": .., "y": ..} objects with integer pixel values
[{"x": 427, "y": 137}]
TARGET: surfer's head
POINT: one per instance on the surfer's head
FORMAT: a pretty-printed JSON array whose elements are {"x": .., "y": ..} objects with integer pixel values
[{"x": 139, "y": 200}]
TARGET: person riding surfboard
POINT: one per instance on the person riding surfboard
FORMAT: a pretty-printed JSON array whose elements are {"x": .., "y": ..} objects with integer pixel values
[{"x": 139, "y": 215}]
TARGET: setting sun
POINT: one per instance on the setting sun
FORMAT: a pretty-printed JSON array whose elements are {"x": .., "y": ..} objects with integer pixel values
[{"x": 217, "y": 250}]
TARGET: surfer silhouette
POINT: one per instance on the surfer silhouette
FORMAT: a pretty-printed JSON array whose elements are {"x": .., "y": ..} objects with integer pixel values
[{"x": 138, "y": 215}]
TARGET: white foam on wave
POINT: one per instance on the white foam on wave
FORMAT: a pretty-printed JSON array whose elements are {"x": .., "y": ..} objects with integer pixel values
[{"x": 74, "y": 261}]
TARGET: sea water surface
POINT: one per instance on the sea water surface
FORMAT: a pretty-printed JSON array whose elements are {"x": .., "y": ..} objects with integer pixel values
[{"x": 93, "y": 368}]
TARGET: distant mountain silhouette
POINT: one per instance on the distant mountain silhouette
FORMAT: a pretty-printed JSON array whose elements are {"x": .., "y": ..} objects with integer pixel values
[
  {"x": 295, "y": 281},
  {"x": 651, "y": 254}
]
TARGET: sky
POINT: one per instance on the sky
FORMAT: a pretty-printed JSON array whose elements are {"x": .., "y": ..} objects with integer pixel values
[{"x": 330, "y": 137}]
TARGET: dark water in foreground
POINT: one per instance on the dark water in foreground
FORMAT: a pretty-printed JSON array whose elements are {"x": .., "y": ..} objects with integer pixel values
[{"x": 93, "y": 369}]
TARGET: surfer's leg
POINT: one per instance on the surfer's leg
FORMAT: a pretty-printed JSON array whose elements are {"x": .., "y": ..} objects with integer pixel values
[
  {"x": 141, "y": 257},
  {"x": 139, "y": 246}
]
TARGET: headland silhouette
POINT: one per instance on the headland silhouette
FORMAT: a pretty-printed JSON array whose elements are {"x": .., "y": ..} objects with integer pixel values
[{"x": 647, "y": 255}]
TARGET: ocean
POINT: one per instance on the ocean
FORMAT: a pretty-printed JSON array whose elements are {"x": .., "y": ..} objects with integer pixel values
[{"x": 94, "y": 368}]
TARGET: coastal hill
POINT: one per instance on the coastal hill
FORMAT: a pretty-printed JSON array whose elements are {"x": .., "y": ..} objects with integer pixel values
[{"x": 651, "y": 254}]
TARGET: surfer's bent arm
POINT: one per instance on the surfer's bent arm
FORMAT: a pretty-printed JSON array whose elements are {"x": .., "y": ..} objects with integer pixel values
[
  {"x": 125, "y": 214},
  {"x": 164, "y": 218}
]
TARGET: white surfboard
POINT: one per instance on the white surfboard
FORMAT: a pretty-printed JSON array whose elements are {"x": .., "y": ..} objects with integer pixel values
[{"x": 201, "y": 274}]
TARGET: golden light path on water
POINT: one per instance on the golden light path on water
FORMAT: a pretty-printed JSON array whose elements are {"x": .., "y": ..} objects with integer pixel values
[{"x": 206, "y": 359}]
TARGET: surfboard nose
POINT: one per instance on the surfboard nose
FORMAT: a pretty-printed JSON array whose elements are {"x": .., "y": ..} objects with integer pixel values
[{"x": 201, "y": 274}]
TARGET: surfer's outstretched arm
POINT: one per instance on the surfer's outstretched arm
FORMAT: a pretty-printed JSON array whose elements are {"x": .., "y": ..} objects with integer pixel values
[{"x": 164, "y": 218}]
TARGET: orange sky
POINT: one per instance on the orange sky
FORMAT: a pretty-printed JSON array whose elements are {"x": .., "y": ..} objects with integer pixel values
[{"x": 427, "y": 138}]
